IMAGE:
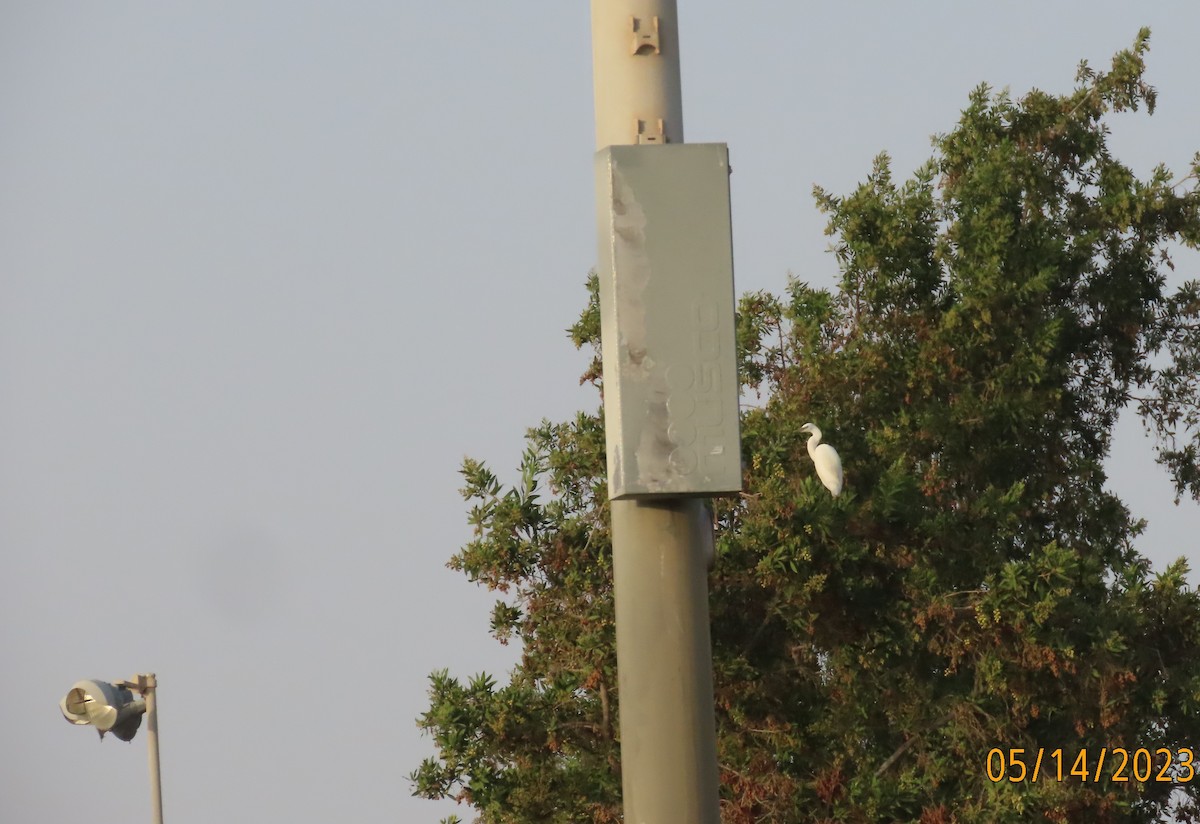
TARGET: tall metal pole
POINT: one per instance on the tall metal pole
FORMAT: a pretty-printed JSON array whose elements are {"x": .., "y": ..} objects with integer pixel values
[
  {"x": 149, "y": 690},
  {"x": 669, "y": 768}
]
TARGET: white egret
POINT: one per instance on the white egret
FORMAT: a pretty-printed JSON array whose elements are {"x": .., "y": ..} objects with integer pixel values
[{"x": 825, "y": 458}]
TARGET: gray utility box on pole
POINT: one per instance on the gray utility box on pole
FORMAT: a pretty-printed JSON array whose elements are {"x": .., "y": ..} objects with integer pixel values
[{"x": 667, "y": 321}]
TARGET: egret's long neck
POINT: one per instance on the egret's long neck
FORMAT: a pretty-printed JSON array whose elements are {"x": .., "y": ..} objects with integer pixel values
[{"x": 813, "y": 440}]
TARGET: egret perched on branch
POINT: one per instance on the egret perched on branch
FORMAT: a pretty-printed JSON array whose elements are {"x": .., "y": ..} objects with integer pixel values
[{"x": 825, "y": 457}]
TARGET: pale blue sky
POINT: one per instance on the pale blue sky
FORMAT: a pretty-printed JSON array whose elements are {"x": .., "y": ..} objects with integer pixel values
[{"x": 269, "y": 269}]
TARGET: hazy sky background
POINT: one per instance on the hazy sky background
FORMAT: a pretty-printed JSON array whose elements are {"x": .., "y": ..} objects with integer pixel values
[{"x": 268, "y": 270}]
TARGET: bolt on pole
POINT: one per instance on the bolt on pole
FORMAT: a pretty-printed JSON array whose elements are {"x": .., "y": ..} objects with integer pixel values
[{"x": 661, "y": 533}]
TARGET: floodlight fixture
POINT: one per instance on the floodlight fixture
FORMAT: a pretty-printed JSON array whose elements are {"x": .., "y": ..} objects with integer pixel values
[
  {"x": 107, "y": 707},
  {"x": 118, "y": 708}
]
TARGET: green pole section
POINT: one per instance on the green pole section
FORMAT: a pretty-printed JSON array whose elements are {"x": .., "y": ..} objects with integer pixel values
[{"x": 664, "y": 662}]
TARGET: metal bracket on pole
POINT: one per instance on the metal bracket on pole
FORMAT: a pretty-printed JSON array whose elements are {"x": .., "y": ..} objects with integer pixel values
[
  {"x": 656, "y": 137},
  {"x": 141, "y": 683},
  {"x": 645, "y": 36}
]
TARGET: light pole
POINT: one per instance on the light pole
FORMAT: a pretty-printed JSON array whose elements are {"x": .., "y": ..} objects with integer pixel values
[
  {"x": 113, "y": 708},
  {"x": 670, "y": 403}
]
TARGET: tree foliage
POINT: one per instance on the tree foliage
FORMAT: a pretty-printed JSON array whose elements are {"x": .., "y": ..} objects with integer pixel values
[{"x": 976, "y": 586}]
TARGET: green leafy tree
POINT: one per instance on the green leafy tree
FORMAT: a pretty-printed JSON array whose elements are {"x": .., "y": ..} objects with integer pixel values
[{"x": 975, "y": 588}]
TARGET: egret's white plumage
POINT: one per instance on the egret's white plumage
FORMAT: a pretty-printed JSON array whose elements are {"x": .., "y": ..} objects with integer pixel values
[{"x": 825, "y": 458}]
